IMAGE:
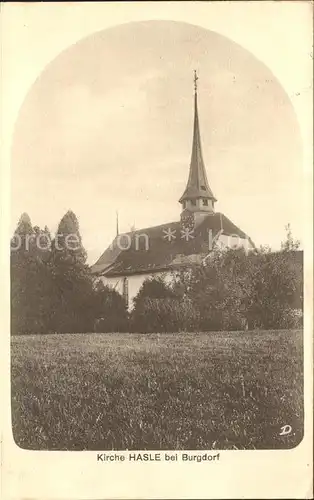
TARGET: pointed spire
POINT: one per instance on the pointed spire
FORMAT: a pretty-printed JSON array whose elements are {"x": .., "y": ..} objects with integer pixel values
[
  {"x": 195, "y": 82},
  {"x": 197, "y": 185}
]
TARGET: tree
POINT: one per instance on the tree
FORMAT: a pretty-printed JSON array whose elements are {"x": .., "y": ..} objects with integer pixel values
[
  {"x": 72, "y": 288},
  {"x": 290, "y": 242},
  {"x": 29, "y": 280},
  {"x": 109, "y": 309},
  {"x": 24, "y": 225},
  {"x": 277, "y": 293},
  {"x": 43, "y": 242},
  {"x": 220, "y": 290},
  {"x": 153, "y": 288}
]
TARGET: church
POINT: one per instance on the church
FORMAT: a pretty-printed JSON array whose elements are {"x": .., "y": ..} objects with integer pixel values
[{"x": 137, "y": 255}]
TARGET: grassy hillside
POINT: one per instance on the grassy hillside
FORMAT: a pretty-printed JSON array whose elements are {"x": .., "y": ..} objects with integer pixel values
[{"x": 172, "y": 391}]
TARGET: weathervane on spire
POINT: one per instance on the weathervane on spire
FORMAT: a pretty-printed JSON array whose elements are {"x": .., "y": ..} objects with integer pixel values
[{"x": 195, "y": 81}]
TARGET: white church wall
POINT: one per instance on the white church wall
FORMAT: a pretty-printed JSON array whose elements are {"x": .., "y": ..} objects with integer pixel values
[
  {"x": 225, "y": 241},
  {"x": 134, "y": 283}
]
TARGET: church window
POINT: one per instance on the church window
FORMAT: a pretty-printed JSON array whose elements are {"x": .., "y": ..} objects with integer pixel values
[
  {"x": 184, "y": 204},
  {"x": 205, "y": 203},
  {"x": 193, "y": 202},
  {"x": 203, "y": 187}
]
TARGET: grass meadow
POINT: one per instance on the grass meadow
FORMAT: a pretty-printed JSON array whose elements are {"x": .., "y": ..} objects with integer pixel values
[{"x": 218, "y": 390}]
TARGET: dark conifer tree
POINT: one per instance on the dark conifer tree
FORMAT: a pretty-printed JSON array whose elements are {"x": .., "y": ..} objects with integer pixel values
[
  {"x": 29, "y": 280},
  {"x": 71, "y": 290}
]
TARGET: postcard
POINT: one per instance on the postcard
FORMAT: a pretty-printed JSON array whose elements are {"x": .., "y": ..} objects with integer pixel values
[{"x": 157, "y": 221}]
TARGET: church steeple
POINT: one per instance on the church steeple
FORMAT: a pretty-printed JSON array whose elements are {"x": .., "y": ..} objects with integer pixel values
[{"x": 197, "y": 197}]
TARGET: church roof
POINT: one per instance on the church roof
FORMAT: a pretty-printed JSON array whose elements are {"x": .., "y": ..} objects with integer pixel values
[
  {"x": 197, "y": 185},
  {"x": 162, "y": 252}
]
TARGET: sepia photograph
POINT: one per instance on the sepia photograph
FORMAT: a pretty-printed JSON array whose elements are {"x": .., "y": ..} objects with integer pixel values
[
  {"x": 156, "y": 190},
  {"x": 156, "y": 248}
]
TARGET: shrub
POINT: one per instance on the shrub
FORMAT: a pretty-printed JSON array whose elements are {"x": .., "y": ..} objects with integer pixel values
[
  {"x": 158, "y": 308},
  {"x": 292, "y": 319},
  {"x": 109, "y": 310},
  {"x": 164, "y": 315}
]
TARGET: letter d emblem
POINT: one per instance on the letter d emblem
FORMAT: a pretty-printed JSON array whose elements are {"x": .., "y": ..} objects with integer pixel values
[{"x": 285, "y": 429}]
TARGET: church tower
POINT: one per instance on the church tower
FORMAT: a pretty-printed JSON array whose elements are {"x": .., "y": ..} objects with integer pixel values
[{"x": 198, "y": 199}]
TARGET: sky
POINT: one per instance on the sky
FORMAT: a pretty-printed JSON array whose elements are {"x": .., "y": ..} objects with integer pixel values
[{"x": 108, "y": 125}]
